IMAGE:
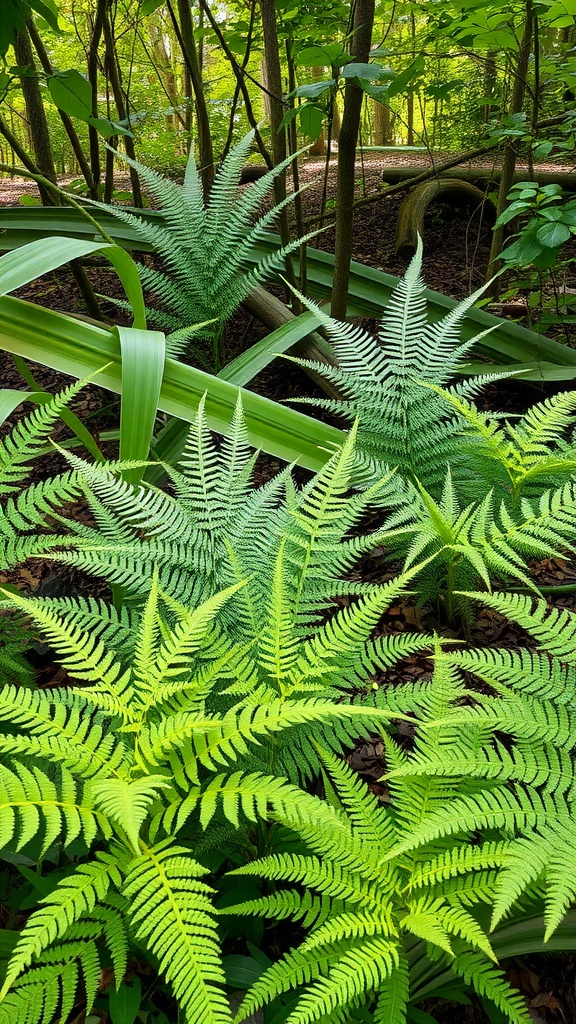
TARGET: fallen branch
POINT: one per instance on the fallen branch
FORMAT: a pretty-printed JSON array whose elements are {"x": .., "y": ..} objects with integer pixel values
[{"x": 414, "y": 207}]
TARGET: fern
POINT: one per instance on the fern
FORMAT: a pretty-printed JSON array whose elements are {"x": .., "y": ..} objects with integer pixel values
[
  {"x": 288, "y": 548},
  {"x": 142, "y": 749},
  {"x": 478, "y": 542},
  {"x": 202, "y": 701},
  {"x": 483, "y": 493},
  {"x": 23, "y": 514},
  {"x": 382, "y": 910},
  {"x": 205, "y": 246},
  {"x": 480, "y": 817},
  {"x": 526, "y": 456},
  {"x": 401, "y": 423}
]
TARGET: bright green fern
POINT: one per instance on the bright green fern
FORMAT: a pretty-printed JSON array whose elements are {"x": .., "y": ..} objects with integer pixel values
[
  {"x": 23, "y": 511},
  {"x": 134, "y": 763},
  {"x": 291, "y": 548},
  {"x": 476, "y": 832}
]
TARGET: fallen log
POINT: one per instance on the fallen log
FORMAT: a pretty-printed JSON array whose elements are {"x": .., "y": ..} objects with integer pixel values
[
  {"x": 273, "y": 313},
  {"x": 482, "y": 177},
  {"x": 414, "y": 206}
]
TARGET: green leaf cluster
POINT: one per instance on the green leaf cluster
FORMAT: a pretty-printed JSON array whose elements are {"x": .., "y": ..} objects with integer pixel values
[{"x": 549, "y": 221}]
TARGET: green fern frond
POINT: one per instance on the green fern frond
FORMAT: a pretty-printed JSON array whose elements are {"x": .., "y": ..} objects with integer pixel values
[
  {"x": 553, "y": 628},
  {"x": 28, "y": 797},
  {"x": 393, "y": 995},
  {"x": 364, "y": 967},
  {"x": 206, "y": 246},
  {"x": 51, "y": 989},
  {"x": 171, "y": 913},
  {"x": 75, "y": 896},
  {"x": 490, "y": 983},
  {"x": 400, "y": 423},
  {"x": 29, "y": 435}
]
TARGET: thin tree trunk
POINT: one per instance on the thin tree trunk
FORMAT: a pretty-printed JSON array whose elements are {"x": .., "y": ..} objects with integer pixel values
[
  {"x": 184, "y": 29},
  {"x": 66, "y": 120},
  {"x": 489, "y": 85},
  {"x": 165, "y": 71},
  {"x": 43, "y": 158},
  {"x": 92, "y": 59},
  {"x": 509, "y": 161},
  {"x": 114, "y": 77},
  {"x": 353, "y": 96},
  {"x": 318, "y": 147},
  {"x": 381, "y": 124},
  {"x": 35, "y": 112},
  {"x": 276, "y": 113},
  {"x": 410, "y": 119}
]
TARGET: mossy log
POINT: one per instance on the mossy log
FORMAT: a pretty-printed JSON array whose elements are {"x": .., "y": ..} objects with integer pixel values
[{"x": 414, "y": 207}]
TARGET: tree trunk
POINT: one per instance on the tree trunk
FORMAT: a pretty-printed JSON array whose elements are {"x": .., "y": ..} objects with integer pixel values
[
  {"x": 66, "y": 120},
  {"x": 353, "y": 96},
  {"x": 381, "y": 124},
  {"x": 184, "y": 29},
  {"x": 165, "y": 71},
  {"x": 35, "y": 113},
  {"x": 410, "y": 119},
  {"x": 489, "y": 85},
  {"x": 509, "y": 161},
  {"x": 273, "y": 77},
  {"x": 114, "y": 77},
  {"x": 92, "y": 58},
  {"x": 318, "y": 147}
]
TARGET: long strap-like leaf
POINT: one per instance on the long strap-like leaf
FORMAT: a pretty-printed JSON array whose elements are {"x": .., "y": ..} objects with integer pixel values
[{"x": 81, "y": 349}]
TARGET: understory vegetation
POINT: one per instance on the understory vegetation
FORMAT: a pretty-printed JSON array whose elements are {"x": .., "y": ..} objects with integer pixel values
[
  {"x": 192, "y": 767},
  {"x": 287, "y": 677}
]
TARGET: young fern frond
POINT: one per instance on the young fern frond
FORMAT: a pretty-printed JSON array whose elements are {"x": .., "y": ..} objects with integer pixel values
[
  {"x": 524, "y": 456},
  {"x": 28, "y": 436},
  {"x": 480, "y": 541},
  {"x": 171, "y": 912}
]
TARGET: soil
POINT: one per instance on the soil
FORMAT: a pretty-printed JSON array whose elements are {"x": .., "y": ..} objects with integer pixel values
[{"x": 457, "y": 245}]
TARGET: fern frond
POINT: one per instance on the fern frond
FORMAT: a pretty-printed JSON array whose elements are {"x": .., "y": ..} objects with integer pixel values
[
  {"x": 364, "y": 967},
  {"x": 393, "y": 995},
  {"x": 206, "y": 245},
  {"x": 553, "y": 628},
  {"x": 29, "y": 435},
  {"x": 75, "y": 896},
  {"x": 29, "y": 796},
  {"x": 490, "y": 983},
  {"x": 171, "y": 914}
]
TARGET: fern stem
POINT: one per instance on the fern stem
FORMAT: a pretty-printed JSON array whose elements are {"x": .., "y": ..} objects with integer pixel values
[{"x": 450, "y": 579}]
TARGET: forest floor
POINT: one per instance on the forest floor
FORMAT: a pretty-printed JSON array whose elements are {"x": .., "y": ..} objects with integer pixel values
[{"x": 457, "y": 243}]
